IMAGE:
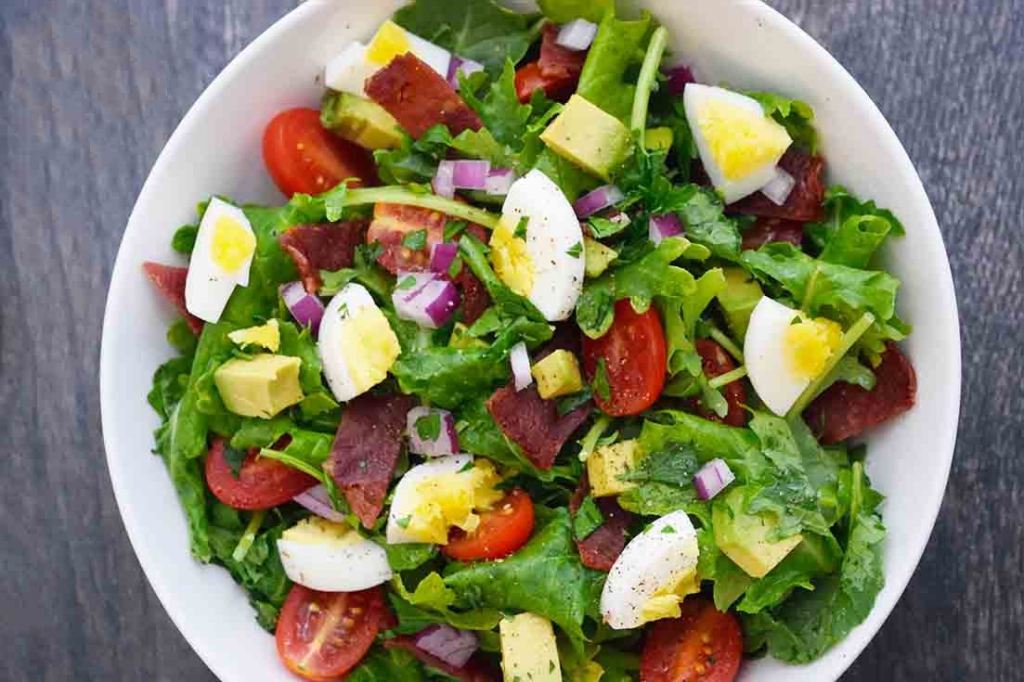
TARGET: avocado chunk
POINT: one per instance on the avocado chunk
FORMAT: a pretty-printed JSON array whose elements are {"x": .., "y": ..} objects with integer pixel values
[
  {"x": 462, "y": 340},
  {"x": 743, "y": 537},
  {"x": 606, "y": 464},
  {"x": 558, "y": 374},
  {"x": 592, "y": 139},
  {"x": 659, "y": 138},
  {"x": 267, "y": 336},
  {"x": 738, "y": 300},
  {"x": 597, "y": 257},
  {"x": 528, "y": 649},
  {"x": 359, "y": 120},
  {"x": 261, "y": 386}
]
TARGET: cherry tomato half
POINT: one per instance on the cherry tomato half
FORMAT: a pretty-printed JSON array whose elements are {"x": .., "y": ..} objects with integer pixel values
[
  {"x": 304, "y": 157},
  {"x": 703, "y": 644},
  {"x": 529, "y": 78},
  {"x": 323, "y": 635},
  {"x": 502, "y": 531},
  {"x": 261, "y": 484},
  {"x": 633, "y": 351}
]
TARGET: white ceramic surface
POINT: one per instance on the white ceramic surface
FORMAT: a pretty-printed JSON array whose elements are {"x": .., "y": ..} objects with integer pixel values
[{"x": 216, "y": 150}]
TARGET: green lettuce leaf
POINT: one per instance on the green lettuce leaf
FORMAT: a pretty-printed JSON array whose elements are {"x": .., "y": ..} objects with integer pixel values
[
  {"x": 797, "y": 117},
  {"x": 500, "y": 110},
  {"x": 564, "y": 11},
  {"x": 617, "y": 47},
  {"x": 816, "y": 556},
  {"x": 431, "y": 602},
  {"x": 387, "y": 665},
  {"x": 664, "y": 480},
  {"x": 853, "y": 230}
]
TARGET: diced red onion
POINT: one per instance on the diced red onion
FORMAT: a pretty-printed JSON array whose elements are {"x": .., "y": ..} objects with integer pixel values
[
  {"x": 467, "y": 66},
  {"x": 307, "y": 309},
  {"x": 499, "y": 181},
  {"x": 471, "y": 174},
  {"x": 429, "y": 302},
  {"x": 577, "y": 35},
  {"x": 712, "y": 478},
  {"x": 521, "y": 366},
  {"x": 318, "y": 501},
  {"x": 663, "y": 226},
  {"x": 454, "y": 647},
  {"x": 443, "y": 183},
  {"x": 600, "y": 198},
  {"x": 447, "y": 441},
  {"x": 779, "y": 187},
  {"x": 678, "y": 77},
  {"x": 442, "y": 255}
]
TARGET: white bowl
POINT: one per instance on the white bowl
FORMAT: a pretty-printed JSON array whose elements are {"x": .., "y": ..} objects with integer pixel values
[{"x": 216, "y": 150}]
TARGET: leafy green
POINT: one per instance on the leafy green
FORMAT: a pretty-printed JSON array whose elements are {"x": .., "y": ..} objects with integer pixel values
[
  {"x": 308, "y": 446},
  {"x": 508, "y": 303},
  {"x": 413, "y": 160},
  {"x": 406, "y": 557},
  {"x": 617, "y": 47},
  {"x": 706, "y": 224},
  {"x": 431, "y": 602},
  {"x": 664, "y": 481},
  {"x": 588, "y": 518},
  {"x": 853, "y": 230},
  {"x": 796, "y": 117},
  {"x": 564, "y": 11},
  {"x": 601, "y": 386},
  {"x": 300, "y": 344},
  {"x": 851, "y": 371},
  {"x": 570, "y": 178},
  {"x": 169, "y": 383},
  {"x": 815, "y": 556},
  {"x": 740, "y": 448},
  {"x": 184, "y": 239},
  {"x": 181, "y": 336},
  {"x": 364, "y": 270},
  {"x": 500, "y": 110},
  {"x": 387, "y": 665}
]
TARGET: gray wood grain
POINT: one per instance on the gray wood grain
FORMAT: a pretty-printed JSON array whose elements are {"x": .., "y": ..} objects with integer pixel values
[{"x": 89, "y": 93}]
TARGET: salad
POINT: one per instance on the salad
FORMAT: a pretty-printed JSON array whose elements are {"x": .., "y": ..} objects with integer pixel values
[{"x": 553, "y": 365}]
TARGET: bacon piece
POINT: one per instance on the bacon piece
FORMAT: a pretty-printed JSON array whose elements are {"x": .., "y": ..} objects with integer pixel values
[
  {"x": 170, "y": 280},
  {"x": 847, "y": 410},
  {"x": 767, "y": 230},
  {"x": 600, "y": 549},
  {"x": 715, "y": 361},
  {"x": 475, "y": 299},
  {"x": 366, "y": 450},
  {"x": 477, "y": 669},
  {"x": 326, "y": 246},
  {"x": 559, "y": 62},
  {"x": 419, "y": 98},
  {"x": 805, "y": 201}
]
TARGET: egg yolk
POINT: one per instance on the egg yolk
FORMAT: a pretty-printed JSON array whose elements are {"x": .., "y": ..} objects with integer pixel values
[
  {"x": 389, "y": 42},
  {"x": 232, "y": 244},
  {"x": 451, "y": 500},
  {"x": 370, "y": 347},
  {"x": 810, "y": 344},
  {"x": 511, "y": 261},
  {"x": 742, "y": 141},
  {"x": 268, "y": 336},
  {"x": 665, "y": 602},
  {"x": 315, "y": 530}
]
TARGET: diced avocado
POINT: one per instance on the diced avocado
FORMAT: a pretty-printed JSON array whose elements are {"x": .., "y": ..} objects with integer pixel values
[
  {"x": 558, "y": 374},
  {"x": 738, "y": 300},
  {"x": 597, "y": 257},
  {"x": 658, "y": 138},
  {"x": 261, "y": 386},
  {"x": 461, "y": 339},
  {"x": 267, "y": 336},
  {"x": 606, "y": 464},
  {"x": 743, "y": 537},
  {"x": 359, "y": 120},
  {"x": 529, "y": 652},
  {"x": 585, "y": 134}
]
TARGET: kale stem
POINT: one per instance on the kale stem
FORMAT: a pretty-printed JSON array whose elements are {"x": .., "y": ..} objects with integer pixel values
[
  {"x": 851, "y": 337},
  {"x": 725, "y": 342},
  {"x": 728, "y": 377},
  {"x": 249, "y": 536},
  {"x": 589, "y": 442},
  {"x": 646, "y": 81},
  {"x": 395, "y": 194}
]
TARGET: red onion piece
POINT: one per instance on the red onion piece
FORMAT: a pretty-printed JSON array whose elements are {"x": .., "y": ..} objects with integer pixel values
[
  {"x": 443, "y": 183},
  {"x": 712, "y": 478},
  {"x": 678, "y": 77},
  {"x": 307, "y": 309},
  {"x": 442, "y": 255},
  {"x": 620, "y": 218},
  {"x": 664, "y": 226},
  {"x": 447, "y": 441},
  {"x": 429, "y": 301},
  {"x": 521, "y": 366},
  {"x": 577, "y": 35},
  {"x": 600, "y": 198},
  {"x": 318, "y": 501},
  {"x": 471, "y": 174},
  {"x": 467, "y": 66},
  {"x": 499, "y": 181},
  {"x": 779, "y": 187},
  {"x": 452, "y": 646}
]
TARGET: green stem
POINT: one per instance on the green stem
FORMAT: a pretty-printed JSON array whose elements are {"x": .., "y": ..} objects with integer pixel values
[
  {"x": 727, "y": 343},
  {"x": 728, "y": 377},
  {"x": 400, "y": 195},
  {"x": 249, "y": 536},
  {"x": 645, "y": 82},
  {"x": 851, "y": 337},
  {"x": 295, "y": 463},
  {"x": 589, "y": 442}
]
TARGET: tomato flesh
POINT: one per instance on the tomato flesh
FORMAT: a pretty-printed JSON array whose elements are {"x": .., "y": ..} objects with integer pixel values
[
  {"x": 715, "y": 362},
  {"x": 502, "y": 531},
  {"x": 304, "y": 157},
  {"x": 323, "y": 635},
  {"x": 261, "y": 483},
  {"x": 634, "y": 357},
  {"x": 530, "y": 78},
  {"x": 702, "y": 644}
]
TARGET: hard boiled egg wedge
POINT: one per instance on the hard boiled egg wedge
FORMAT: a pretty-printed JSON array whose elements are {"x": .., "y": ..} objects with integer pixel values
[
  {"x": 739, "y": 145},
  {"x": 785, "y": 351},
  {"x": 652, "y": 575},
  {"x": 438, "y": 495},
  {"x": 349, "y": 70},
  {"x": 331, "y": 557},
  {"x": 537, "y": 247},
  {"x": 356, "y": 343},
  {"x": 221, "y": 259}
]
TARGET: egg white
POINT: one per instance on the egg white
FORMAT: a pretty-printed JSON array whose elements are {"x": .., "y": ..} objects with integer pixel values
[
  {"x": 406, "y": 498},
  {"x": 346, "y": 304},
  {"x": 208, "y": 285},
  {"x": 764, "y": 349},
  {"x": 348, "y": 565}
]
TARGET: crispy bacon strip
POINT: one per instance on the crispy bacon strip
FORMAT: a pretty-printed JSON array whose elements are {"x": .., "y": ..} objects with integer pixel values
[
  {"x": 805, "y": 201},
  {"x": 767, "y": 230},
  {"x": 600, "y": 549},
  {"x": 316, "y": 247},
  {"x": 170, "y": 281}
]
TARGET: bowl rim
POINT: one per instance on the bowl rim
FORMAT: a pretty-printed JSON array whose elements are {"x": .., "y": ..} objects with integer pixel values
[{"x": 132, "y": 520}]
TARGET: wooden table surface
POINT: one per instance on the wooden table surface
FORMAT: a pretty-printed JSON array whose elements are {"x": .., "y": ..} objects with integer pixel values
[{"x": 90, "y": 92}]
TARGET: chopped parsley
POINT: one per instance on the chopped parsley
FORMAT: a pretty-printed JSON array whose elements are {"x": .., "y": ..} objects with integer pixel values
[
  {"x": 602, "y": 389},
  {"x": 668, "y": 530},
  {"x": 415, "y": 240},
  {"x": 455, "y": 268},
  {"x": 234, "y": 458},
  {"x": 403, "y": 522},
  {"x": 453, "y": 228},
  {"x": 406, "y": 283},
  {"x": 588, "y": 519},
  {"x": 468, "y": 466},
  {"x": 520, "y": 232},
  {"x": 429, "y": 426},
  {"x": 575, "y": 250}
]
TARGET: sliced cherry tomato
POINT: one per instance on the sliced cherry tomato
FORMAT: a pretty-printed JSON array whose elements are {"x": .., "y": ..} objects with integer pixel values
[
  {"x": 261, "y": 484},
  {"x": 633, "y": 351},
  {"x": 555, "y": 86},
  {"x": 502, "y": 531},
  {"x": 703, "y": 644},
  {"x": 304, "y": 157},
  {"x": 716, "y": 362},
  {"x": 323, "y": 635}
]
